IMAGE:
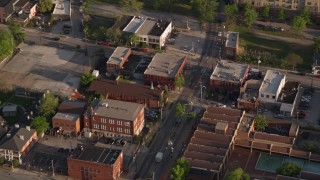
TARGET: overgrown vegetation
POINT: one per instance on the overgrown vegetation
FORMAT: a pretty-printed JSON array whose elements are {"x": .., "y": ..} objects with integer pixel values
[
  {"x": 260, "y": 122},
  {"x": 289, "y": 169},
  {"x": 6, "y": 43},
  {"x": 40, "y": 124},
  {"x": 238, "y": 174},
  {"x": 180, "y": 170}
]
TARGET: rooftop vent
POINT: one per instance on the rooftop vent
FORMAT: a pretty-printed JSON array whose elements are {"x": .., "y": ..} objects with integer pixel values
[
  {"x": 104, "y": 105},
  {"x": 8, "y": 135},
  {"x": 21, "y": 137},
  {"x": 28, "y": 128},
  {"x": 16, "y": 126}
]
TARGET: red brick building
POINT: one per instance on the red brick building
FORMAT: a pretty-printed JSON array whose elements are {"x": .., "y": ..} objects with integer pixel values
[
  {"x": 129, "y": 92},
  {"x": 164, "y": 69},
  {"x": 232, "y": 45},
  {"x": 117, "y": 59},
  {"x": 91, "y": 162},
  {"x": 228, "y": 76},
  {"x": 75, "y": 107},
  {"x": 114, "y": 118},
  {"x": 68, "y": 122}
]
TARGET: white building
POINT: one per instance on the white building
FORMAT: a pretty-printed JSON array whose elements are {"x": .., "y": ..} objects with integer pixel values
[
  {"x": 271, "y": 86},
  {"x": 150, "y": 31}
]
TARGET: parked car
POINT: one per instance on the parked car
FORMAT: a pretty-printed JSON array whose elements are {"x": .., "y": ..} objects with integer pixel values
[
  {"x": 301, "y": 114},
  {"x": 103, "y": 44},
  {"x": 56, "y": 38}
]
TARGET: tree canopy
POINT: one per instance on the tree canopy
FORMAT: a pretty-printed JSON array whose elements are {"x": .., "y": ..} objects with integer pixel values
[
  {"x": 311, "y": 146},
  {"x": 40, "y": 124},
  {"x": 260, "y": 122},
  {"x": 250, "y": 15},
  {"x": 180, "y": 110},
  {"x": 230, "y": 12},
  {"x": 6, "y": 43},
  {"x": 205, "y": 9},
  {"x": 16, "y": 32},
  {"x": 289, "y": 169},
  {"x": 292, "y": 60},
  {"x": 114, "y": 35},
  {"x": 86, "y": 79},
  {"x": 238, "y": 174},
  {"x": 131, "y": 6},
  {"x": 44, "y": 6},
  {"x": 48, "y": 105},
  {"x": 281, "y": 14},
  {"x": 299, "y": 23},
  {"x": 265, "y": 11},
  {"x": 100, "y": 34},
  {"x": 305, "y": 14},
  {"x": 180, "y": 170},
  {"x": 179, "y": 81}
]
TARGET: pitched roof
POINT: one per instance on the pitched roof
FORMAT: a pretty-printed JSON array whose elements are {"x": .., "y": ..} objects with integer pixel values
[
  {"x": 116, "y": 109},
  {"x": 14, "y": 142},
  {"x": 118, "y": 55},
  {"x": 106, "y": 87}
]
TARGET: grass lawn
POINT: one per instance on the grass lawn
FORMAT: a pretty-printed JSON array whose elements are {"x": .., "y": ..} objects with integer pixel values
[{"x": 278, "y": 48}]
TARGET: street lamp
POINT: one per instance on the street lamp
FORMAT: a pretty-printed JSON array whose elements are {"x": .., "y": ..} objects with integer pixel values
[{"x": 259, "y": 63}]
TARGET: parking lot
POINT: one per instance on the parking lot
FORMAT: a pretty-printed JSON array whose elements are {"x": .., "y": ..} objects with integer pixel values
[
  {"x": 41, "y": 68},
  {"x": 311, "y": 108}
]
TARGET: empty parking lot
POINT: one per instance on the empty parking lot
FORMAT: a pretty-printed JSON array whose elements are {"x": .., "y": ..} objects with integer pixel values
[{"x": 41, "y": 68}]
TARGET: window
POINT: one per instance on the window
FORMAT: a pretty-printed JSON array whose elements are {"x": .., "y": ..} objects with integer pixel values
[
  {"x": 119, "y": 129},
  {"x": 96, "y": 126},
  {"x": 104, "y": 127},
  {"x": 273, "y": 97},
  {"x": 119, "y": 122},
  {"x": 262, "y": 95},
  {"x": 127, "y": 123},
  {"x": 267, "y": 96},
  {"x": 144, "y": 39},
  {"x": 127, "y": 131},
  {"x": 103, "y": 120},
  {"x": 111, "y": 121},
  {"x": 86, "y": 124}
]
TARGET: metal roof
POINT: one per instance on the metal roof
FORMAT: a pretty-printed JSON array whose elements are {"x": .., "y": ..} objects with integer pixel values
[{"x": 229, "y": 71}]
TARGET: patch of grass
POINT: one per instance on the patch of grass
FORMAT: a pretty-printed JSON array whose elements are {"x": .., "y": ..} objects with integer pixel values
[{"x": 278, "y": 48}]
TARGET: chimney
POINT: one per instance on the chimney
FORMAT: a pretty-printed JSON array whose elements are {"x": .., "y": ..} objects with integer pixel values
[
  {"x": 28, "y": 128},
  {"x": 21, "y": 137},
  {"x": 17, "y": 126}
]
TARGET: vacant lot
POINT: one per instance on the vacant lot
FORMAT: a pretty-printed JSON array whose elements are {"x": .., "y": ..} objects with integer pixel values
[
  {"x": 278, "y": 47},
  {"x": 41, "y": 68}
]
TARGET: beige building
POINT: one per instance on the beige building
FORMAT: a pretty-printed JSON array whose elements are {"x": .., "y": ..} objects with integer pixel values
[{"x": 313, "y": 5}]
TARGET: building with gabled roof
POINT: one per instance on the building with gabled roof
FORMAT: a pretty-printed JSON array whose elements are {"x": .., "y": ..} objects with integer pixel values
[
  {"x": 17, "y": 142},
  {"x": 92, "y": 162},
  {"x": 164, "y": 69}
]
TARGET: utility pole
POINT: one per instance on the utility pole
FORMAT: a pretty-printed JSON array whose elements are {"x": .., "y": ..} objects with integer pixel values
[{"x": 52, "y": 167}]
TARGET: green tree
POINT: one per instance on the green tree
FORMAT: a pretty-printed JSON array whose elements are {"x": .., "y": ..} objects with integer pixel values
[
  {"x": 299, "y": 24},
  {"x": 250, "y": 16},
  {"x": 180, "y": 110},
  {"x": 180, "y": 170},
  {"x": 45, "y": 6},
  {"x": 6, "y": 43},
  {"x": 100, "y": 34},
  {"x": 265, "y": 11},
  {"x": 16, "y": 32},
  {"x": 179, "y": 81},
  {"x": 48, "y": 106},
  {"x": 2, "y": 160},
  {"x": 133, "y": 39},
  {"x": 86, "y": 79},
  {"x": 131, "y": 6},
  {"x": 289, "y": 169},
  {"x": 114, "y": 35},
  {"x": 40, "y": 124},
  {"x": 15, "y": 163},
  {"x": 260, "y": 123},
  {"x": 281, "y": 14},
  {"x": 305, "y": 14},
  {"x": 310, "y": 146},
  {"x": 205, "y": 9},
  {"x": 238, "y": 174},
  {"x": 230, "y": 12},
  {"x": 292, "y": 60}
]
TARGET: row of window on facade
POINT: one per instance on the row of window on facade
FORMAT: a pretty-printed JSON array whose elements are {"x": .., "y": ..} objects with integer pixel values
[
  {"x": 112, "y": 121},
  {"x": 62, "y": 125},
  {"x": 118, "y": 129},
  {"x": 267, "y": 96},
  {"x": 150, "y": 40}
]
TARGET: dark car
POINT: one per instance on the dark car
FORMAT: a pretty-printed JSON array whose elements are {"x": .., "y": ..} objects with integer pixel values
[{"x": 56, "y": 38}]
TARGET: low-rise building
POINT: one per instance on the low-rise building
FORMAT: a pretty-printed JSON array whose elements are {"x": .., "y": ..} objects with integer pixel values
[
  {"x": 67, "y": 122},
  {"x": 164, "y": 69},
  {"x": 117, "y": 59},
  {"x": 17, "y": 142},
  {"x": 9, "y": 110},
  {"x": 289, "y": 98},
  {"x": 228, "y": 76},
  {"x": 75, "y": 107},
  {"x": 25, "y": 10},
  {"x": 129, "y": 92},
  {"x": 249, "y": 94},
  {"x": 271, "y": 86},
  {"x": 92, "y": 162},
  {"x": 62, "y": 10},
  {"x": 114, "y": 118},
  {"x": 231, "y": 46}
]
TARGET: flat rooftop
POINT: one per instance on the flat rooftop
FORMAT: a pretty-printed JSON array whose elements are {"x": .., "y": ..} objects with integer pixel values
[
  {"x": 251, "y": 92},
  {"x": 289, "y": 92},
  {"x": 118, "y": 54},
  {"x": 116, "y": 109},
  {"x": 229, "y": 71},
  {"x": 146, "y": 27},
  {"x": 134, "y": 24},
  {"x": 159, "y": 28},
  {"x": 66, "y": 116},
  {"x": 62, "y": 7},
  {"x": 232, "y": 39},
  {"x": 95, "y": 154},
  {"x": 165, "y": 65},
  {"x": 271, "y": 82}
]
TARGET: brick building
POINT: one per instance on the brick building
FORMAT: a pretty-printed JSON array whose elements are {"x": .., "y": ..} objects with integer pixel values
[
  {"x": 6, "y": 9},
  {"x": 114, "y": 118},
  {"x": 129, "y": 92},
  {"x": 231, "y": 45},
  {"x": 91, "y": 162},
  {"x": 163, "y": 69},
  {"x": 17, "y": 142},
  {"x": 117, "y": 59},
  {"x": 68, "y": 122},
  {"x": 228, "y": 76},
  {"x": 249, "y": 95},
  {"x": 75, "y": 107}
]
